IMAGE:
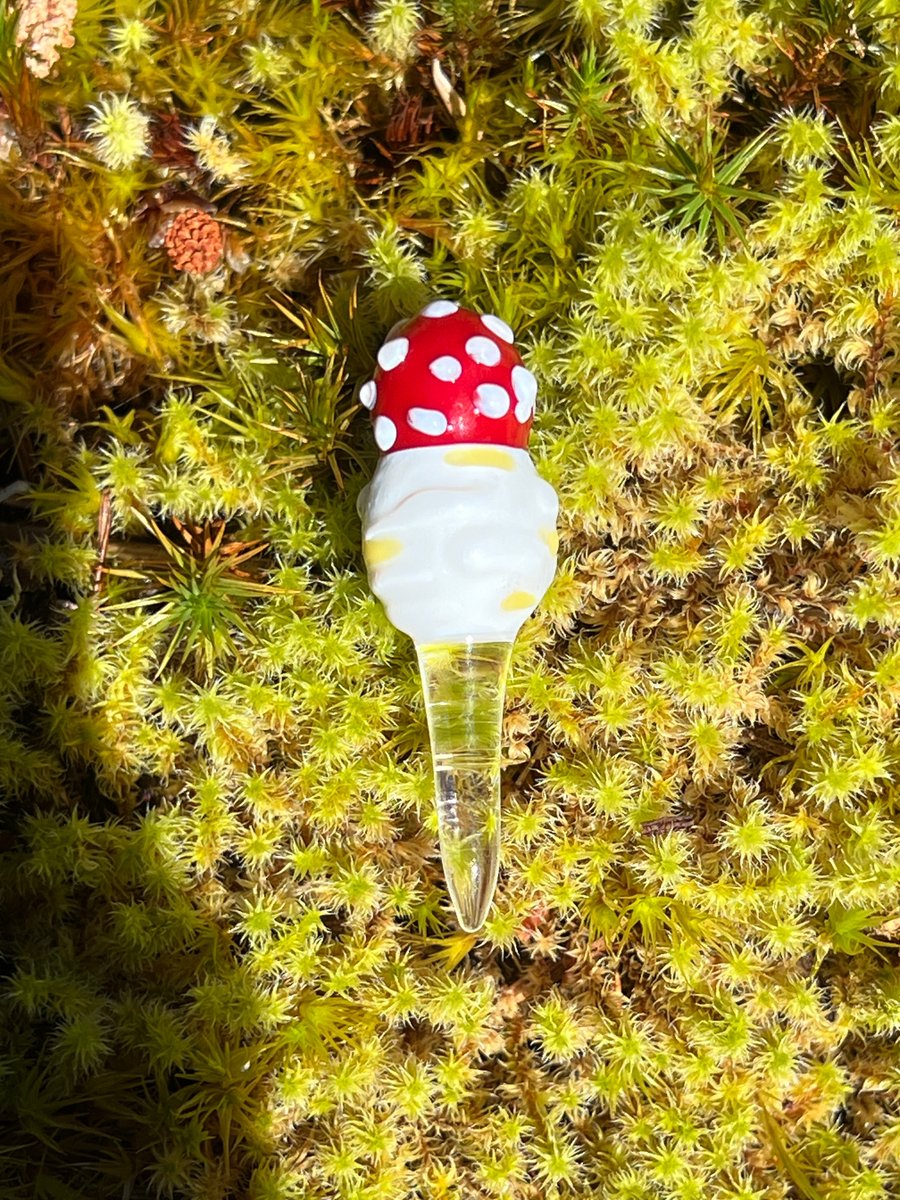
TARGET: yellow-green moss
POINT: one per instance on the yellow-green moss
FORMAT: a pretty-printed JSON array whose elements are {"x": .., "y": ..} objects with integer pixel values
[{"x": 230, "y": 968}]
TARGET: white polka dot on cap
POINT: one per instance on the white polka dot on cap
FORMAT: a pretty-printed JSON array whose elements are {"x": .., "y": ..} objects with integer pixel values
[
  {"x": 368, "y": 394},
  {"x": 524, "y": 385},
  {"x": 483, "y": 351},
  {"x": 440, "y": 308},
  {"x": 393, "y": 353},
  {"x": 491, "y": 400},
  {"x": 499, "y": 328},
  {"x": 385, "y": 433},
  {"x": 446, "y": 368},
  {"x": 427, "y": 420},
  {"x": 523, "y": 411}
]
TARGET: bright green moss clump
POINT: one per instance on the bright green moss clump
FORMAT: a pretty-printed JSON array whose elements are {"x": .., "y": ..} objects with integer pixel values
[{"x": 229, "y": 966}]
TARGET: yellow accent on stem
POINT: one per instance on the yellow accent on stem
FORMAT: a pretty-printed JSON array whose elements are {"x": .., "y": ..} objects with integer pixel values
[
  {"x": 464, "y": 687},
  {"x": 517, "y": 600},
  {"x": 480, "y": 456},
  {"x": 381, "y": 550},
  {"x": 551, "y": 539}
]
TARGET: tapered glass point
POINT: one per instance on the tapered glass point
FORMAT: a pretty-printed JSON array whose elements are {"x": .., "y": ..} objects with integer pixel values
[{"x": 464, "y": 687}]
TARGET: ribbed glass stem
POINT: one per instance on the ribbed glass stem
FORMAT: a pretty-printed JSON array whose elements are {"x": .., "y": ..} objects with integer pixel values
[{"x": 464, "y": 687}]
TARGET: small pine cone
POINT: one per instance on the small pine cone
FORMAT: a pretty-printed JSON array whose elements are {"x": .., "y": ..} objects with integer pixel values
[{"x": 194, "y": 241}]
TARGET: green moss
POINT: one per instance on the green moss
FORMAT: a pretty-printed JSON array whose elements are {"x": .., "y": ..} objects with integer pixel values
[{"x": 230, "y": 967}]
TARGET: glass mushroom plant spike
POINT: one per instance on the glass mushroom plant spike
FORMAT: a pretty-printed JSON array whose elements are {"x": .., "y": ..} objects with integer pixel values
[{"x": 459, "y": 538}]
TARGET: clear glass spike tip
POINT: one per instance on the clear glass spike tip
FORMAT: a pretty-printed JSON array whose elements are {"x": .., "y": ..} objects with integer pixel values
[{"x": 464, "y": 687}]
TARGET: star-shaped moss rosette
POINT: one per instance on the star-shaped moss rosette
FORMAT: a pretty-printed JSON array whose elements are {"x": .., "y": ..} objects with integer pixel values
[{"x": 459, "y": 537}]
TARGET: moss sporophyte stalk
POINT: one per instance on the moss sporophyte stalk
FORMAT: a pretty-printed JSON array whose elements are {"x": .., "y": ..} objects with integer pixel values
[{"x": 242, "y": 793}]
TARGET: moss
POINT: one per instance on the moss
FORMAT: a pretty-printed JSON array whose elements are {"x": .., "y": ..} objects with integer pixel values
[{"x": 230, "y": 967}]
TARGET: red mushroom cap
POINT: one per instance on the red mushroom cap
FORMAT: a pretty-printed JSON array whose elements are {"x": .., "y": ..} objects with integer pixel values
[{"x": 450, "y": 375}]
